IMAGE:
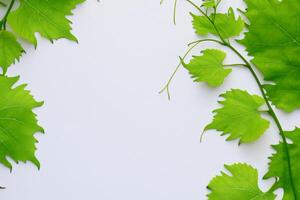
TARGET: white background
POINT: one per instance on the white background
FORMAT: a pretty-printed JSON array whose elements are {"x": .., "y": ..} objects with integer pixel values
[{"x": 109, "y": 134}]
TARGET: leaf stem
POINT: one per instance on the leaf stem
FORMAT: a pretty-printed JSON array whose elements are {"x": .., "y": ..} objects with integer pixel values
[
  {"x": 4, "y": 19},
  {"x": 192, "y": 46},
  {"x": 234, "y": 65},
  {"x": 272, "y": 114},
  {"x": 211, "y": 40}
]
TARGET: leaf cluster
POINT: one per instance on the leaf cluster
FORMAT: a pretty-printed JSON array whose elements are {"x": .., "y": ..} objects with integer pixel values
[
  {"x": 21, "y": 21},
  {"x": 272, "y": 40}
]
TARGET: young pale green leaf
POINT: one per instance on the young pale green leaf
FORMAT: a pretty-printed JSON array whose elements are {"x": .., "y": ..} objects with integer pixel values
[
  {"x": 208, "y": 67},
  {"x": 240, "y": 184},
  {"x": 240, "y": 117},
  {"x": 279, "y": 168},
  {"x": 225, "y": 24},
  {"x": 10, "y": 50},
  {"x": 18, "y": 123},
  {"x": 209, "y": 3},
  {"x": 47, "y": 17},
  {"x": 273, "y": 40}
]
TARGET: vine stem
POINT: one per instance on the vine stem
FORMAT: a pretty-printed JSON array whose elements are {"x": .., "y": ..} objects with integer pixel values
[
  {"x": 272, "y": 114},
  {"x": 4, "y": 19}
]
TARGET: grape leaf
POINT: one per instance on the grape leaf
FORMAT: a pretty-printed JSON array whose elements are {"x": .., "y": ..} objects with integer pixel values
[
  {"x": 239, "y": 117},
  {"x": 10, "y": 50},
  {"x": 278, "y": 166},
  {"x": 208, "y": 67},
  {"x": 18, "y": 123},
  {"x": 241, "y": 184},
  {"x": 273, "y": 40},
  {"x": 47, "y": 17},
  {"x": 226, "y": 25},
  {"x": 209, "y": 3}
]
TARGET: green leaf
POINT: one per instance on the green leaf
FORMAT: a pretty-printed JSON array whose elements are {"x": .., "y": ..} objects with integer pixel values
[
  {"x": 279, "y": 169},
  {"x": 209, "y": 3},
  {"x": 225, "y": 24},
  {"x": 240, "y": 184},
  {"x": 18, "y": 123},
  {"x": 274, "y": 42},
  {"x": 240, "y": 117},
  {"x": 10, "y": 50},
  {"x": 208, "y": 67},
  {"x": 47, "y": 17}
]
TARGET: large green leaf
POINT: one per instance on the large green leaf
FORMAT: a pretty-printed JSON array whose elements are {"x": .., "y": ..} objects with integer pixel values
[
  {"x": 18, "y": 123},
  {"x": 208, "y": 67},
  {"x": 225, "y": 24},
  {"x": 10, "y": 50},
  {"x": 47, "y": 17},
  {"x": 240, "y": 184},
  {"x": 279, "y": 168},
  {"x": 240, "y": 116},
  {"x": 274, "y": 42}
]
